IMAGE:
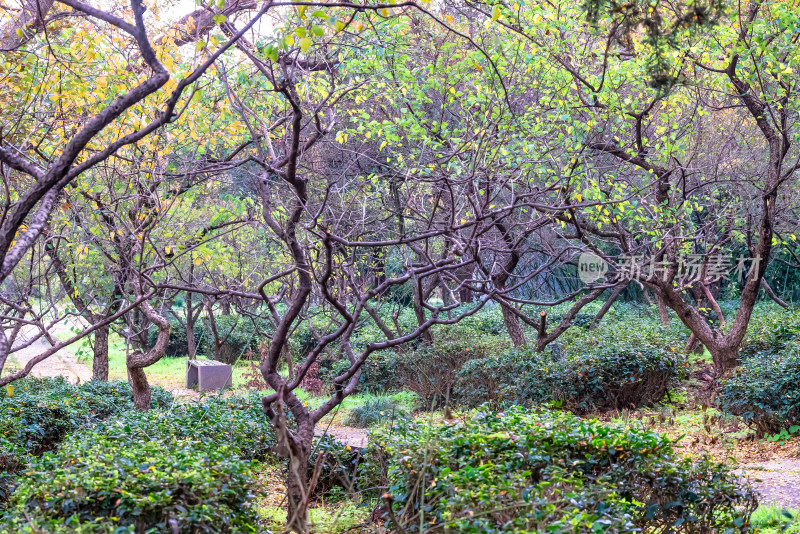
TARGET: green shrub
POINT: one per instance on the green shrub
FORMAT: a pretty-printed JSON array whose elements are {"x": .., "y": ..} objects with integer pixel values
[
  {"x": 765, "y": 390},
  {"x": 37, "y": 413},
  {"x": 237, "y": 334},
  {"x": 534, "y": 472},
  {"x": 101, "y": 485},
  {"x": 430, "y": 371},
  {"x": 337, "y": 464},
  {"x": 379, "y": 373},
  {"x": 627, "y": 361},
  {"x": 373, "y": 411},
  {"x": 177, "y": 345},
  {"x": 600, "y": 379},
  {"x": 236, "y": 422},
  {"x": 189, "y": 463},
  {"x": 774, "y": 519},
  {"x": 770, "y": 330},
  {"x": 41, "y": 411}
]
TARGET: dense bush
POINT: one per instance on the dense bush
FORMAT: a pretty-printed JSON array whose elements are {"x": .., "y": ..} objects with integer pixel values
[
  {"x": 598, "y": 379},
  {"x": 102, "y": 485},
  {"x": 237, "y": 335},
  {"x": 238, "y": 423},
  {"x": 527, "y": 472},
  {"x": 431, "y": 371},
  {"x": 37, "y": 413},
  {"x": 628, "y": 360},
  {"x": 337, "y": 467},
  {"x": 140, "y": 470},
  {"x": 373, "y": 411},
  {"x": 178, "y": 345},
  {"x": 770, "y": 329},
  {"x": 765, "y": 390}
]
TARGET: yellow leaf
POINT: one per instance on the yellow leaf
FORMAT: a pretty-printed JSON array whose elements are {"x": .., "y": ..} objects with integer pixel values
[
  {"x": 305, "y": 44},
  {"x": 10, "y": 390}
]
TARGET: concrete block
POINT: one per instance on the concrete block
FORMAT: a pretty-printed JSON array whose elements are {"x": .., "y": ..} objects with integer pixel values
[{"x": 208, "y": 375}]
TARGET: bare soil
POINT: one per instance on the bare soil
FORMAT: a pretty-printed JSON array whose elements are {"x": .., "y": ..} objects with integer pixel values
[{"x": 62, "y": 363}]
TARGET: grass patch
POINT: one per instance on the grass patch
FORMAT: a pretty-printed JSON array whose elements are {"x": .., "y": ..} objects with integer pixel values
[
  {"x": 771, "y": 518},
  {"x": 372, "y": 412},
  {"x": 325, "y": 518}
]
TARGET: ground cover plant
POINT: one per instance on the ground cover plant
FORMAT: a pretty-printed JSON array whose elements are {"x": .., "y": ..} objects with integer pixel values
[
  {"x": 521, "y": 471},
  {"x": 37, "y": 414},
  {"x": 626, "y": 362},
  {"x": 184, "y": 465}
]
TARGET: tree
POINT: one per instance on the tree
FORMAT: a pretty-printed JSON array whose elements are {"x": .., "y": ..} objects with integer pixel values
[
  {"x": 643, "y": 102},
  {"x": 43, "y": 152}
]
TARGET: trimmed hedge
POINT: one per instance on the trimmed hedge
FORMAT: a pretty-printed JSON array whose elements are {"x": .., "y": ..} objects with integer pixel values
[
  {"x": 189, "y": 466},
  {"x": 765, "y": 390},
  {"x": 527, "y": 472},
  {"x": 139, "y": 486},
  {"x": 430, "y": 371},
  {"x": 629, "y": 360},
  {"x": 37, "y": 413},
  {"x": 600, "y": 379}
]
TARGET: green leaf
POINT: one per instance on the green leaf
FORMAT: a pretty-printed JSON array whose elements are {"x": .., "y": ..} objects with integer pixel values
[
  {"x": 317, "y": 30},
  {"x": 219, "y": 19},
  {"x": 301, "y": 32}
]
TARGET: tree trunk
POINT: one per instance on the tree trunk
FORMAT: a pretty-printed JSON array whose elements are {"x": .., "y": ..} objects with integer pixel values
[
  {"x": 607, "y": 305},
  {"x": 191, "y": 319},
  {"x": 287, "y": 355},
  {"x": 296, "y": 490},
  {"x": 464, "y": 292},
  {"x": 138, "y": 360},
  {"x": 726, "y": 359},
  {"x": 663, "y": 312},
  {"x": 5, "y": 348},
  {"x": 191, "y": 343},
  {"x": 140, "y": 388},
  {"x": 512, "y": 325},
  {"x": 419, "y": 311},
  {"x": 100, "y": 361}
]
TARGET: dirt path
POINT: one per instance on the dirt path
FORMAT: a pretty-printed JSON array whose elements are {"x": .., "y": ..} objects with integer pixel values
[
  {"x": 62, "y": 363},
  {"x": 355, "y": 437},
  {"x": 776, "y": 481}
]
